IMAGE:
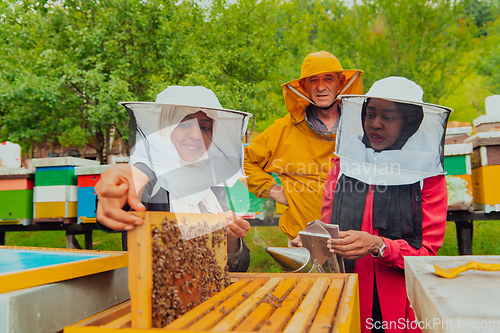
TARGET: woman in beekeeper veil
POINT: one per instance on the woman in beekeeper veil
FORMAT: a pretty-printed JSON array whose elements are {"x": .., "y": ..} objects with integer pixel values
[
  {"x": 387, "y": 193},
  {"x": 187, "y": 149}
]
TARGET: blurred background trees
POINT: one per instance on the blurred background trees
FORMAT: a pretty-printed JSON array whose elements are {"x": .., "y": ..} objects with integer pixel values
[{"x": 65, "y": 64}]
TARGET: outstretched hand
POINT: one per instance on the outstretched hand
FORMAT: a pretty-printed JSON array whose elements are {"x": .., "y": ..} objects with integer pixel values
[
  {"x": 116, "y": 187},
  {"x": 355, "y": 244}
]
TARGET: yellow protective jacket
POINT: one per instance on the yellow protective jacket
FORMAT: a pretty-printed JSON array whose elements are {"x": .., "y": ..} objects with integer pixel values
[
  {"x": 301, "y": 161},
  {"x": 300, "y": 156}
]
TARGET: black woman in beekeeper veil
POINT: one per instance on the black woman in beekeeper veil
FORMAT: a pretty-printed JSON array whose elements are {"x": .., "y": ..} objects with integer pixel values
[
  {"x": 387, "y": 194},
  {"x": 187, "y": 149}
]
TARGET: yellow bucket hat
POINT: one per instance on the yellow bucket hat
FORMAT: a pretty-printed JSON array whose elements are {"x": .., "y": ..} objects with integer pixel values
[{"x": 296, "y": 98}]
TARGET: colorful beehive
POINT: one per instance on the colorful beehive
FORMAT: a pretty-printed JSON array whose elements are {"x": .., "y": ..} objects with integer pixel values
[
  {"x": 457, "y": 132},
  {"x": 491, "y": 120},
  {"x": 43, "y": 290},
  {"x": 485, "y": 158},
  {"x": 457, "y": 164},
  {"x": 485, "y": 161},
  {"x": 16, "y": 196},
  {"x": 56, "y": 191},
  {"x": 87, "y": 179},
  {"x": 264, "y": 302}
]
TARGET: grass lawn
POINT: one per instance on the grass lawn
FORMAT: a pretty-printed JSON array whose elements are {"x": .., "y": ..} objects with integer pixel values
[{"x": 486, "y": 242}]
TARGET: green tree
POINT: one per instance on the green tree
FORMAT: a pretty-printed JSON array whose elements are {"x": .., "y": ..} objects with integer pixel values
[
  {"x": 74, "y": 60},
  {"x": 424, "y": 41}
]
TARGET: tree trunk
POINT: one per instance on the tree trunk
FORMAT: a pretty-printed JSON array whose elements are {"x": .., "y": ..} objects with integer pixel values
[
  {"x": 247, "y": 132},
  {"x": 99, "y": 144},
  {"x": 107, "y": 149}
]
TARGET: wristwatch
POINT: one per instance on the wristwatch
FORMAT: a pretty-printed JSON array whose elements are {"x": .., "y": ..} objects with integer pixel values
[{"x": 381, "y": 251}]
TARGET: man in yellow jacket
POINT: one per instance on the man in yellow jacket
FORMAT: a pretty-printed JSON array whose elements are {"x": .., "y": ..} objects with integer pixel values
[{"x": 299, "y": 147}]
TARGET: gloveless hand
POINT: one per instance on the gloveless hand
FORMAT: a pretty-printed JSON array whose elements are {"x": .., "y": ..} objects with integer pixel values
[{"x": 355, "y": 244}]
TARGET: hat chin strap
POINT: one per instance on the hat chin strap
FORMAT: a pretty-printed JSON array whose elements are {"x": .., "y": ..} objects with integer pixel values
[{"x": 351, "y": 81}]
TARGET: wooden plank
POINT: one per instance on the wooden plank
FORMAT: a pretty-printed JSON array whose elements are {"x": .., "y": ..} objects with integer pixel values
[
  {"x": 140, "y": 273},
  {"x": 236, "y": 276},
  {"x": 98, "y": 329},
  {"x": 255, "y": 319},
  {"x": 305, "y": 313},
  {"x": 280, "y": 317},
  {"x": 324, "y": 319},
  {"x": 55, "y": 193},
  {"x": 211, "y": 319},
  {"x": 237, "y": 315},
  {"x": 485, "y": 142},
  {"x": 88, "y": 180},
  {"x": 120, "y": 322},
  {"x": 63, "y": 176},
  {"x": 20, "y": 204},
  {"x": 157, "y": 217},
  {"x": 49, "y": 209},
  {"x": 475, "y": 158},
  {"x": 486, "y": 127},
  {"x": 348, "y": 316},
  {"x": 106, "y": 316},
  {"x": 485, "y": 184},
  {"x": 285, "y": 288},
  {"x": 493, "y": 155},
  {"x": 207, "y": 306},
  {"x": 16, "y": 184}
]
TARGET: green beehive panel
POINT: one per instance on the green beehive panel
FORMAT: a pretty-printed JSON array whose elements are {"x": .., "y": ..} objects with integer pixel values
[
  {"x": 241, "y": 200},
  {"x": 455, "y": 165},
  {"x": 56, "y": 177},
  {"x": 16, "y": 204}
]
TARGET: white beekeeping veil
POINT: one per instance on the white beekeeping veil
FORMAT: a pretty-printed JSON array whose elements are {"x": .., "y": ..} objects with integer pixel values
[
  {"x": 188, "y": 165},
  {"x": 389, "y": 136}
]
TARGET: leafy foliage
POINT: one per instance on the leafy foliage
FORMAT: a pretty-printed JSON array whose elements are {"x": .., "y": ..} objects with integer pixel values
[{"x": 65, "y": 64}]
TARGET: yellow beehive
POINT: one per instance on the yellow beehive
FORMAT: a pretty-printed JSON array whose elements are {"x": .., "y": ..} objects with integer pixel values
[{"x": 485, "y": 160}]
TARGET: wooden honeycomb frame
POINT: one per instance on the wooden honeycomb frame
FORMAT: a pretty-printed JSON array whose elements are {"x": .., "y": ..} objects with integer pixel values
[{"x": 140, "y": 249}]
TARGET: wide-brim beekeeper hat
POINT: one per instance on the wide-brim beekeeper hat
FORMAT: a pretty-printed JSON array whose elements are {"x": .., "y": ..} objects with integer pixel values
[
  {"x": 151, "y": 127},
  {"x": 296, "y": 98},
  {"x": 417, "y": 154}
]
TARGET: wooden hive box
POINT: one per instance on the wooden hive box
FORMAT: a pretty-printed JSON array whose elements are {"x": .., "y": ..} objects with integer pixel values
[
  {"x": 257, "y": 302},
  {"x": 87, "y": 179},
  {"x": 485, "y": 162},
  {"x": 252, "y": 302},
  {"x": 16, "y": 195},
  {"x": 56, "y": 193},
  {"x": 457, "y": 164},
  {"x": 456, "y": 132}
]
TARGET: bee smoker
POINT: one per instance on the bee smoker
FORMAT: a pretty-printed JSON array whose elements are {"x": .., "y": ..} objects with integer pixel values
[
  {"x": 314, "y": 256},
  {"x": 294, "y": 259}
]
